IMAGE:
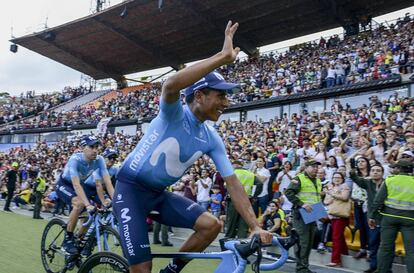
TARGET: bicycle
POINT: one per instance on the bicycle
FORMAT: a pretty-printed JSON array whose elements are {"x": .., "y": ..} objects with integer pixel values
[
  {"x": 100, "y": 236},
  {"x": 233, "y": 256}
]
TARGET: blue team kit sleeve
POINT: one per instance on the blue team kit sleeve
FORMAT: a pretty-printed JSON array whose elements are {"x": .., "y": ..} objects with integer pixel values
[
  {"x": 171, "y": 111},
  {"x": 219, "y": 155}
]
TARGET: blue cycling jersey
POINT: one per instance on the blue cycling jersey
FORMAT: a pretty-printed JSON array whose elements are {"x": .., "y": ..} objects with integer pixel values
[
  {"x": 79, "y": 166},
  {"x": 91, "y": 180},
  {"x": 175, "y": 139}
]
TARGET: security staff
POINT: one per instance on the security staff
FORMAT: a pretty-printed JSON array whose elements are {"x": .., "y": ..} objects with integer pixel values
[
  {"x": 235, "y": 224},
  {"x": 304, "y": 191},
  {"x": 12, "y": 176},
  {"x": 395, "y": 201},
  {"x": 38, "y": 190}
]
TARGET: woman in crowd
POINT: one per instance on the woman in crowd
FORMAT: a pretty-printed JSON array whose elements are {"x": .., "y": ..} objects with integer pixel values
[
  {"x": 330, "y": 168},
  {"x": 337, "y": 190},
  {"x": 377, "y": 152},
  {"x": 321, "y": 153},
  {"x": 359, "y": 197},
  {"x": 271, "y": 220}
]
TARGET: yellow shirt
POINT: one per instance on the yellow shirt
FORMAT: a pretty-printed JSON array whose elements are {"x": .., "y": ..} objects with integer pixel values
[{"x": 25, "y": 195}]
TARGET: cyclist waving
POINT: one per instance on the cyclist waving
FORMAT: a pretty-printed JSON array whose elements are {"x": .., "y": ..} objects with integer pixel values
[{"x": 174, "y": 140}]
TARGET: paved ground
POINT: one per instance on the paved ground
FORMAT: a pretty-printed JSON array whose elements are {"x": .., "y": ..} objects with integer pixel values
[{"x": 177, "y": 241}]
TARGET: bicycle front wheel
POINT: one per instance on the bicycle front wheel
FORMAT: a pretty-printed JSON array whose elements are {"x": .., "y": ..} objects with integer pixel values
[
  {"x": 104, "y": 262},
  {"x": 109, "y": 240},
  {"x": 53, "y": 258}
]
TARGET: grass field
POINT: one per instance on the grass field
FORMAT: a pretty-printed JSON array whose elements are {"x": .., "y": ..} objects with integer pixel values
[{"x": 20, "y": 247}]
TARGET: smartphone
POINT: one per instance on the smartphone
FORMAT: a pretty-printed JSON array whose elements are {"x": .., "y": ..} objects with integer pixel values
[{"x": 353, "y": 163}]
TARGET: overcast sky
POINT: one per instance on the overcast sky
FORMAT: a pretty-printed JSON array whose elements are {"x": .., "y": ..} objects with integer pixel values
[{"x": 27, "y": 70}]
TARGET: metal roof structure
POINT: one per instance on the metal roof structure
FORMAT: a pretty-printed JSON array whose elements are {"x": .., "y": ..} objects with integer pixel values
[{"x": 108, "y": 45}]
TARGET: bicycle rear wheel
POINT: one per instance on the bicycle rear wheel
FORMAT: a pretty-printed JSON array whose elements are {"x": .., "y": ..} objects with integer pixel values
[
  {"x": 53, "y": 258},
  {"x": 104, "y": 262}
]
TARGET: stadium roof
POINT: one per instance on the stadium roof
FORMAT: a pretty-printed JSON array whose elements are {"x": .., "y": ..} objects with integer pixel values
[{"x": 107, "y": 45}]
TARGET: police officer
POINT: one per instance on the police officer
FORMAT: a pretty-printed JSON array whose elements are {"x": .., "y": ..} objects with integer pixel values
[
  {"x": 236, "y": 226},
  {"x": 395, "y": 201},
  {"x": 304, "y": 191},
  {"x": 38, "y": 190}
]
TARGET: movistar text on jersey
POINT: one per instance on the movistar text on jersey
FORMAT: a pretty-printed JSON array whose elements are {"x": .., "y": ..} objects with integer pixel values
[{"x": 146, "y": 145}]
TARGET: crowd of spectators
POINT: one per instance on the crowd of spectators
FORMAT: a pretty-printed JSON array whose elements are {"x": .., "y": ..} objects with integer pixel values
[
  {"x": 370, "y": 55},
  {"x": 373, "y": 54},
  {"x": 29, "y": 104},
  {"x": 134, "y": 105},
  {"x": 379, "y": 133}
]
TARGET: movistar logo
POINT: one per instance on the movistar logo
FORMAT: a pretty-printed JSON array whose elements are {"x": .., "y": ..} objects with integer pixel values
[
  {"x": 124, "y": 216},
  {"x": 173, "y": 164},
  {"x": 142, "y": 151}
]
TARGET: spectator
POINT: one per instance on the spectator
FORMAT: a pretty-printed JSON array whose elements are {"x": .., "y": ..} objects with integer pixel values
[
  {"x": 216, "y": 199},
  {"x": 360, "y": 197},
  {"x": 338, "y": 190},
  {"x": 271, "y": 220},
  {"x": 12, "y": 177},
  {"x": 203, "y": 187},
  {"x": 284, "y": 178},
  {"x": 263, "y": 175},
  {"x": 371, "y": 185}
]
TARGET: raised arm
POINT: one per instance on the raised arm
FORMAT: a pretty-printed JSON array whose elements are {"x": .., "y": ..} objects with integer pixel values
[{"x": 186, "y": 77}]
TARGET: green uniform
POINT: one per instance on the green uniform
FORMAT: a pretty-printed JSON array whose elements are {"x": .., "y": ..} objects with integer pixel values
[
  {"x": 235, "y": 224},
  {"x": 395, "y": 202},
  {"x": 38, "y": 192},
  {"x": 306, "y": 190}
]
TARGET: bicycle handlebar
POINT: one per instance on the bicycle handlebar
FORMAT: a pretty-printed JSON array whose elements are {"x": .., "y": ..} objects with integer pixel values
[
  {"x": 91, "y": 214},
  {"x": 244, "y": 248}
]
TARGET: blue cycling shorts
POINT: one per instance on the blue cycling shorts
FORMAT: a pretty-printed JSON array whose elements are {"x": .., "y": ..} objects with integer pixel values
[
  {"x": 132, "y": 204},
  {"x": 66, "y": 192}
]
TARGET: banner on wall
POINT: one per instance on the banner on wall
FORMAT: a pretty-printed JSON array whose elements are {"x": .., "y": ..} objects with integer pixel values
[{"x": 103, "y": 125}]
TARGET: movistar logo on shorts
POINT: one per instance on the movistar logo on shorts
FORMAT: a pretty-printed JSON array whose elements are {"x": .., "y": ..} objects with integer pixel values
[
  {"x": 128, "y": 242},
  {"x": 173, "y": 165},
  {"x": 146, "y": 145},
  {"x": 124, "y": 216}
]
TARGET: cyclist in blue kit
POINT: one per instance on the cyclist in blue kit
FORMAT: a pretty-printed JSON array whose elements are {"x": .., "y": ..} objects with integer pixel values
[
  {"x": 175, "y": 139},
  {"x": 94, "y": 181},
  {"x": 71, "y": 186}
]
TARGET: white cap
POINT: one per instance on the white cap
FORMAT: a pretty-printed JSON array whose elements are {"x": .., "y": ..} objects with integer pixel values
[
  {"x": 409, "y": 153},
  {"x": 334, "y": 139}
]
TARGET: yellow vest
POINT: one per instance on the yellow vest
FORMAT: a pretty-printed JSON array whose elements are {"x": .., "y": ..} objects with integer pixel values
[
  {"x": 41, "y": 187},
  {"x": 246, "y": 179},
  {"x": 400, "y": 189},
  {"x": 308, "y": 193}
]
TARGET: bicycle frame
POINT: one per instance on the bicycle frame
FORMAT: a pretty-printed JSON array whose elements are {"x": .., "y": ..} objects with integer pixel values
[
  {"x": 97, "y": 223},
  {"x": 231, "y": 261}
]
